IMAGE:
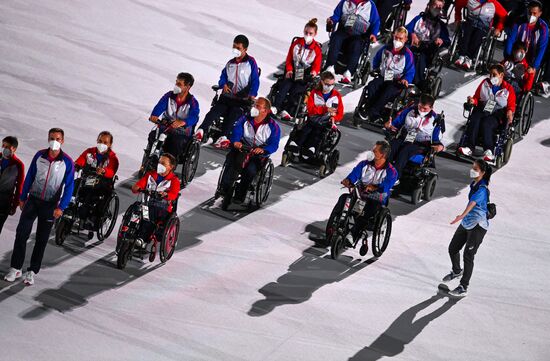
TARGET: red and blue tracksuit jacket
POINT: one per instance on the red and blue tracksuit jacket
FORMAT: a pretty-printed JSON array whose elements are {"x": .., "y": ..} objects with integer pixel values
[
  {"x": 367, "y": 173},
  {"x": 265, "y": 136},
  {"x": 400, "y": 62},
  {"x": 243, "y": 75},
  {"x": 167, "y": 107}
]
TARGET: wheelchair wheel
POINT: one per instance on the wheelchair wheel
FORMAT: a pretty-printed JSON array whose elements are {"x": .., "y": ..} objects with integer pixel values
[
  {"x": 332, "y": 224},
  {"x": 62, "y": 230},
  {"x": 429, "y": 189},
  {"x": 124, "y": 255},
  {"x": 382, "y": 232},
  {"x": 361, "y": 111},
  {"x": 507, "y": 152},
  {"x": 108, "y": 218},
  {"x": 169, "y": 239},
  {"x": 436, "y": 87},
  {"x": 285, "y": 161},
  {"x": 263, "y": 188},
  {"x": 190, "y": 163},
  {"x": 337, "y": 246},
  {"x": 454, "y": 44},
  {"x": 527, "y": 108},
  {"x": 125, "y": 221},
  {"x": 416, "y": 196}
]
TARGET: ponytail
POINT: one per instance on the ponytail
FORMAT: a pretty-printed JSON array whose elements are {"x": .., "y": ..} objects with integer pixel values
[
  {"x": 312, "y": 24},
  {"x": 485, "y": 168}
]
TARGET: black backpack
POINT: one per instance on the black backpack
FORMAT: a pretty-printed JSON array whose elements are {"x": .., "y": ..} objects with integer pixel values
[{"x": 491, "y": 207}]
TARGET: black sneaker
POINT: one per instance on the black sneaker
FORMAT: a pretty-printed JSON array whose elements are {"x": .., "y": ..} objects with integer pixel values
[
  {"x": 460, "y": 291},
  {"x": 451, "y": 276}
]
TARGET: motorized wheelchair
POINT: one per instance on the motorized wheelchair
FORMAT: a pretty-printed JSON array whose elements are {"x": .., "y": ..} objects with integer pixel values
[
  {"x": 432, "y": 78},
  {"x": 406, "y": 97},
  {"x": 419, "y": 177},
  {"x": 396, "y": 19},
  {"x": 88, "y": 211},
  {"x": 504, "y": 139},
  {"x": 342, "y": 220},
  {"x": 164, "y": 236},
  {"x": 259, "y": 188},
  {"x": 295, "y": 107},
  {"x": 189, "y": 158},
  {"x": 361, "y": 75},
  {"x": 326, "y": 155}
]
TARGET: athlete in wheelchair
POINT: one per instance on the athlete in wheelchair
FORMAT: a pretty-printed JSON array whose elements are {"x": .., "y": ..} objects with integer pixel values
[
  {"x": 393, "y": 14},
  {"x": 314, "y": 138},
  {"x": 239, "y": 83},
  {"x": 428, "y": 35},
  {"x": 394, "y": 72},
  {"x": 175, "y": 117},
  {"x": 364, "y": 208},
  {"x": 248, "y": 170},
  {"x": 490, "y": 112},
  {"x": 474, "y": 40},
  {"x": 303, "y": 63},
  {"x": 151, "y": 223},
  {"x": 415, "y": 137},
  {"x": 358, "y": 25},
  {"x": 94, "y": 205},
  {"x": 517, "y": 73}
]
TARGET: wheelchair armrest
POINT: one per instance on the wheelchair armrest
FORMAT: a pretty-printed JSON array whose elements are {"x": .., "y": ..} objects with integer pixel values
[
  {"x": 279, "y": 76},
  {"x": 215, "y": 87}
]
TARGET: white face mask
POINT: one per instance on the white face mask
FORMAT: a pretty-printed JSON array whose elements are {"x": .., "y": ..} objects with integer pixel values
[
  {"x": 397, "y": 44},
  {"x": 423, "y": 114},
  {"x": 519, "y": 55},
  {"x": 474, "y": 173},
  {"x": 102, "y": 148},
  {"x": 161, "y": 169},
  {"x": 54, "y": 145},
  {"x": 254, "y": 112},
  {"x": 177, "y": 89},
  {"x": 370, "y": 156},
  {"x": 308, "y": 39},
  {"x": 236, "y": 53},
  {"x": 495, "y": 80},
  {"x": 5, "y": 152},
  {"x": 327, "y": 88},
  {"x": 532, "y": 19}
]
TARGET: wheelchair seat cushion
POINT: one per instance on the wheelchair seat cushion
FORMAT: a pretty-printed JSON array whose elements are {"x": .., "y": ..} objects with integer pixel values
[{"x": 417, "y": 159}]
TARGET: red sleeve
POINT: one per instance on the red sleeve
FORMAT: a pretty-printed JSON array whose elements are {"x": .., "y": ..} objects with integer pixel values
[
  {"x": 459, "y": 5},
  {"x": 313, "y": 109},
  {"x": 511, "y": 98},
  {"x": 290, "y": 57},
  {"x": 112, "y": 167},
  {"x": 142, "y": 183},
  {"x": 528, "y": 80},
  {"x": 18, "y": 183},
  {"x": 340, "y": 113},
  {"x": 174, "y": 190},
  {"x": 81, "y": 161},
  {"x": 316, "y": 66},
  {"x": 477, "y": 95},
  {"x": 501, "y": 15}
]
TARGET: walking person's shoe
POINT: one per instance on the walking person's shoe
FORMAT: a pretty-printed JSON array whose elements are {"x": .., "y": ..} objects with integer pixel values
[
  {"x": 460, "y": 291},
  {"x": 12, "y": 275},
  {"x": 451, "y": 276},
  {"x": 29, "y": 278}
]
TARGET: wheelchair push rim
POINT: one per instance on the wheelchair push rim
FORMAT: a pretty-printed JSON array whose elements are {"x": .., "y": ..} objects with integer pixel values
[
  {"x": 109, "y": 217},
  {"x": 169, "y": 239},
  {"x": 382, "y": 232}
]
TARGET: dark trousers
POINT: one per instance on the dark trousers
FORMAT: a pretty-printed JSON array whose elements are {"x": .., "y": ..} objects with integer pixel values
[
  {"x": 234, "y": 165},
  {"x": 472, "y": 239},
  {"x": 380, "y": 92},
  {"x": 422, "y": 61},
  {"x": 487, "y": 123},
  {"x": 311, "y": 132},
  {"x": 34, "y": 208},
  {"x": 294, "y": 89},
  {"x": 157, "y": 214},
  {"x": 93, "y": 200},
  {"x": 385, "y": 8},
  {"x": 230, "y": 109},
  {"x": 471, "y": 40},
  {"x": 353, "y": 51},
  {"x": 175, "y": 141},
  {"x": 401, "y": 152},
  {"x": 371, "y": 208}
]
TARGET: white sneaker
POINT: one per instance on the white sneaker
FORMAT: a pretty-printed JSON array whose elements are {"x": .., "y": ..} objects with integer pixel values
[
  {"x": 29, "y": 278},
  {"x": 294, "y": 148},
  {"x": 285, "y": 116},
  {"x": 308, "y": 153},
  {"x": 465, "y": 151},
  {"x": 488, "y": 156},
  {"x": 349, "y": 240},
  {"x": 467, "y": 63},
  {"x": 331, "y": 69},
  {"x": 13, "y": 274},
  {"x": 346, "y": 78},
  {"x": 545, "y": 89},
  {"x": 222, "y": 142},
  {"x": 199, "y": 135},
  {"x": 459, "y": 61}
]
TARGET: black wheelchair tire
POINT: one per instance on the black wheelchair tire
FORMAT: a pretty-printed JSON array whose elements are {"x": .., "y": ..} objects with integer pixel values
[{"x": 383, "y": 217}]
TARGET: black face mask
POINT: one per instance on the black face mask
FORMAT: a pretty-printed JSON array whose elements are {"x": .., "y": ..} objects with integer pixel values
[{"x": 435, "y": 13}]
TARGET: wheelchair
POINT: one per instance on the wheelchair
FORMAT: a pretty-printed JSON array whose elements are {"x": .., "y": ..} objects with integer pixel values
[
  {"x": 504, "y": 139},
  {"x": 73, "y": 221},
  {"x": 300, "y": 108},
  {"x": 361, "y": 75},
  {"x": 485, "y": 54},
  {"x": 259, "y": 189},
  {"x": 432, "y": 80},
  {"x": 405, "y": 98},
  {"x": 189, "y": 158},
  {"x": 524, "y": 114},
  {"x": 326, "y": 154},
  {"x": 341, "y": 222},
  {"x": 128, "y": 245},
  {"x": 419, "y": 178},
  {"x": 396, "y": 19}
]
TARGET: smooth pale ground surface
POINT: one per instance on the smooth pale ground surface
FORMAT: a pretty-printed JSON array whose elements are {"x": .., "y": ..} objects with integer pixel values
[{"x": 251, "y": 286}]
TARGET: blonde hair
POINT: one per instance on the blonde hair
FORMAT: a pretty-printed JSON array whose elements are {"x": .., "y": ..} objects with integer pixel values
[{"x": 402, "y": 30}]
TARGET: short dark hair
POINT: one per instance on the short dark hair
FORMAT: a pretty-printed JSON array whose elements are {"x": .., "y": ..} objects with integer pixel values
[
  {"x": 519, "y": 45},
  {"x": 57, "y": 130},
  {"x": 241, "y": 39},
  {"x": 11, "y": 140},
  {"x": 427, "y": 99},
  {"x": 385, "y": 148},
  {"x": 327, "y": 75},
  {"x": 170, "y": 158},
  {"x": 498, "y": 67},
  {"x": 535, "y": 4},
  {"x": 107, "y": 133},
  {"x": 187, "y": 78}
]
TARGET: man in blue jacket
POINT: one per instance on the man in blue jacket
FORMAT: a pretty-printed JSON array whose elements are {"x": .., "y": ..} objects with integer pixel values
[
  {"x": 181, "y": 111},
  {"x": 239, "y": 81},
  {"x": 47, "y": 191},
  {"x": 358, "y": 20},
  {"x": 396, "y": 65},
  {"x": 259, "y": 132}
]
